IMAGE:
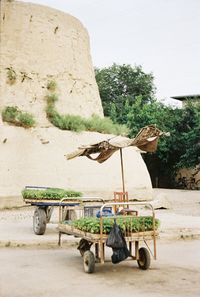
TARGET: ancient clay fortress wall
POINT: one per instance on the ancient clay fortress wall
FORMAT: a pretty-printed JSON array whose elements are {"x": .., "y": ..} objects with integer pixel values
[{"x": 41, "y": 44}]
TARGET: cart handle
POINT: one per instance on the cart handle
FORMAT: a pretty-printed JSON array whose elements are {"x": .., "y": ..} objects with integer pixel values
[
  {"x": 61, "y": 204},
  {"x": 128, "y": 203},
  {"x": 79, "y": 199}
]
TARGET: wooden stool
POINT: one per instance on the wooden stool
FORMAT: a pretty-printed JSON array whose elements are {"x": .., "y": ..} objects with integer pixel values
[
  {"x": 123, "y": 197},
  {"x": 120, "y": 197}
]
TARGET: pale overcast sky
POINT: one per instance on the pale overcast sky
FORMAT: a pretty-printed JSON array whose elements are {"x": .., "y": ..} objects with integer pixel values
[{"x": 163, "y": 36}]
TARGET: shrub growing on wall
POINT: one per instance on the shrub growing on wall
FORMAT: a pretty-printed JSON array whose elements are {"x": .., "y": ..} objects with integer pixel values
[
  {"x": 51, "y": 86},
  {"x": 14, "y": 116},
  {"x": 77, "y": 123},
  {"x": 11, "y": 75}
]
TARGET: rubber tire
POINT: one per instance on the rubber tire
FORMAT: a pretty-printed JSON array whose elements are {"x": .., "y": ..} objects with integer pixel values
[
  {"x": 144, "y": 259},
  {"x": 83, "y": 246},
  {"x": 49, "y": 211},
  {"x": 39, "y": 221},
  {"x": 88, "y": 262}
]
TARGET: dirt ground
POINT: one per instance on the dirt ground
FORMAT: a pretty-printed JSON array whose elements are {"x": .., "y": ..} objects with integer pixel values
[
  {"x": 180, "y": 220},
  {"x": 40, "y": 268},
  {"x": 59, "y": 272}
]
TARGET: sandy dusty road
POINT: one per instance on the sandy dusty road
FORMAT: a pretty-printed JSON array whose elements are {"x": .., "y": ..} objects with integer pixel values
[
  {"x": 180, "y": 220},
  {"x": 59, "y": 272}
]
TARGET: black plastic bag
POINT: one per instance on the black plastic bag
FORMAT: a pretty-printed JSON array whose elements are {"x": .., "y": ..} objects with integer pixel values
[
  {"x": 115, "y": 238},
  {"x": 120, "y": 255},
  {"x": 118, "y": 244}
]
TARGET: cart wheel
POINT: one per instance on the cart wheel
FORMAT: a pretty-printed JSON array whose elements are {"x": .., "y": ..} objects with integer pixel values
[
  {"x": 88, "y": 262},
  {"x": 49, "y": 211},
  {"x": 39, "y": 221},
  {"x": 84, "y": 246},
  {"x": 144, "y": 259}
]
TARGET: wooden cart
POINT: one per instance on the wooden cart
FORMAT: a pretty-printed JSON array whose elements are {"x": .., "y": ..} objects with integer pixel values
[
  {"x": 44, "y": 208},
  {"x": 135, "y": 241}
]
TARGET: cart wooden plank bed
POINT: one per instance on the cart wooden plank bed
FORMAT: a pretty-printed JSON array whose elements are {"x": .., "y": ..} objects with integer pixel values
[
  {"x": 133, "y": 240},
  {"x": 44, "y": 207}
]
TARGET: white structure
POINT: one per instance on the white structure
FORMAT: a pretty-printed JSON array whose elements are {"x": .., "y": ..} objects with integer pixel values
[{"x": 41, "y": 44}]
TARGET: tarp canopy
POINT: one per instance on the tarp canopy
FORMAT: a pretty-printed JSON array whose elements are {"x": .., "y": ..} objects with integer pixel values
[{"x": 146, "y": 140}]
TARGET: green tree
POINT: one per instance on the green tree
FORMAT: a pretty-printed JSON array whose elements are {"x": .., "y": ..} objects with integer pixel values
[
  {"x": 121, "y": 83},
  {"x": 181, "y": 149},
  {"x": 191, "y": 137},
  {"x": 127, "y": 95}
]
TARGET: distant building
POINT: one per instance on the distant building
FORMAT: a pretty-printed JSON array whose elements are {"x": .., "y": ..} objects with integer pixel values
[{"x": 186, "y": 98}]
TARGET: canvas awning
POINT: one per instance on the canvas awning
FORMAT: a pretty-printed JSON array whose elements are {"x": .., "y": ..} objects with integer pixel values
[{"x": 146, "y": 140}]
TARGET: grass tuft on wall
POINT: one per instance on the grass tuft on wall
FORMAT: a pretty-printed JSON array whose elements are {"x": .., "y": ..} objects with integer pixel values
[
  {"x": 16, "y": 117},
  {"x": 78, "y": 124}
]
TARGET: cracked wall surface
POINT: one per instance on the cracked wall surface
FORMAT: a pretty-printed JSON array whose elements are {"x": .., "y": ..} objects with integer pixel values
[
  {"x": 41, "y": 44},
  {"x": 36, "y": 157}
]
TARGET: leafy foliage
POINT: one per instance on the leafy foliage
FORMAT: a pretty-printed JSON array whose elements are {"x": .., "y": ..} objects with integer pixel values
[
  {"x": 127, "y": 224},
  {"x": 51, "y": 86},
  {"x": 181, "y": 149},
  {"x": 105, "y": 125},
  {"x": 13, "y": 115},
  {"x": 121, "y": 82},
  {"x": 49, "y": 194},
  {"x": 11, "y": 75},
  {"x": 51, "y": 99},
  {"x": 77, "y": 123},
  {"x": 190, "y": 156},
  {"x": 131, "y": 103}
]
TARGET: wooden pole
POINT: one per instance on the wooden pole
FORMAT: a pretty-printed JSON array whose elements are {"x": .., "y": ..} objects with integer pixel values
[{"x": 122, "y": 170}]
